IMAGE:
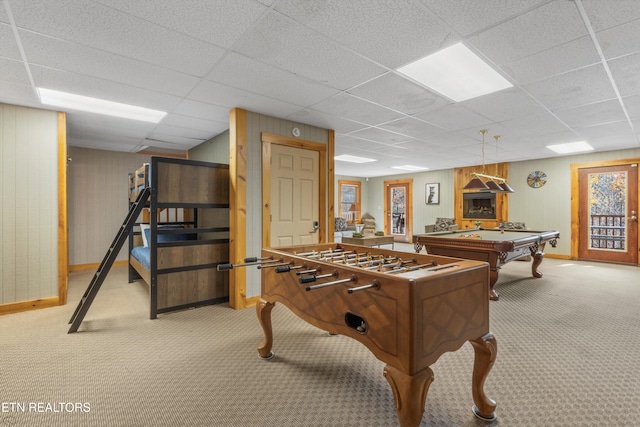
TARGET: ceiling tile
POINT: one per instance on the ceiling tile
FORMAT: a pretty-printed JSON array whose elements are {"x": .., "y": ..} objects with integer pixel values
[
  {"x": 59, "y": 54},
  {"x": 202, "y": 110},
  {"x": 111, "y": 91},
  {"x": 400, "y": 94},
  {"x": 348, "y": 143},
  {"x": 504, "y": 105},
  {"x": 621, "y": 40},
  {"x": 606, "y": 14},
  {"x": 616, "y": 142},
  {"x": 542, "y": 28},
  {"x": 413, "y": 127},
  {"x": 13, "y": 71},
  {"x": 179, "y": 132},
  {"x": 215, "y": 21},
  {"x": 108, "y": 29},
  {"x": 540, "y": 124},
  {"x": 573, "y": 89},
  {"x": 19, "y": 94},
  {"x": 607, "y": 130},
  {"x": 380, "y": 135},
  {"x": 453, "y": 117},
  {"x": 211, "y": 127},
  {"x": 598, "y": 113},
  {"x": 226, "y": 96},
  {"x": 374, "y": 30},
  {"x": 469, "y": 16},
  {"x": 352, "y": 108},
  {"x": 625, "y": 71},
  {"x": 103, "y": 141},
  {"x": 556, "y": 60},
  {"x": 8, "y": 47},
  {"x": 326, "y": 121},
  {"x": 242, "y": 72},
  {"x": 288, "y": 45},
  {"x": 632, "y": 105}
]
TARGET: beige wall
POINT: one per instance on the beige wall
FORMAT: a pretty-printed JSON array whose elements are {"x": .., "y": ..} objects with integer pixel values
[
  {"x": 545, "y": 208},
  {"x": 97, "y": 201},
  {"x": 423, "y": 214},
  {"x": 29, "y": 210},
  {"x": 215, "y": 150},
  {"x": 549, "y": 207}
]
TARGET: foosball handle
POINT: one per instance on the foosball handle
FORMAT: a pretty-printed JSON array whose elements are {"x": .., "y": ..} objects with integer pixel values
[
  {"x": 283, "y": 269},
  {"x": 307, "y": 279},
  {"x": 224, "y": 267}
]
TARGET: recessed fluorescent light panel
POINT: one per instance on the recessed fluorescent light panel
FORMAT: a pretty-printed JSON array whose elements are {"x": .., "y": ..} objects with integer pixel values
[
  {"x": 455, "y": 72},
  {"x": 98, "y": 106},
  {"x": 353, "y": 159},
  {"x": 572, "y": 147},
  {"x": 410, "y": 168}
]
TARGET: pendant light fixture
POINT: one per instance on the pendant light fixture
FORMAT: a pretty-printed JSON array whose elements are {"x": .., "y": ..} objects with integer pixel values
[{"x": 494, "y": 184}]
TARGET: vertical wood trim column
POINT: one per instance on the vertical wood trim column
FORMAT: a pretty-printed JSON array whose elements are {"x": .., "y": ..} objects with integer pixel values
[
  {"x": 63, "y": 227},
  {"x": 237, "y": 206},
  {"x": 575, "y": 200},
  {"x": 331, "y": 191}
]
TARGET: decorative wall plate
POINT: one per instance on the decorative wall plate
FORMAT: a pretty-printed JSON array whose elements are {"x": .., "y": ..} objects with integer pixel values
[{"x": 536, "y": 179}]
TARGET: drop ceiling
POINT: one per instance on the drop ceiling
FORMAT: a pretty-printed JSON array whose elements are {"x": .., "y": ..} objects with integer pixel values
[{"x": 575, "y": 67}]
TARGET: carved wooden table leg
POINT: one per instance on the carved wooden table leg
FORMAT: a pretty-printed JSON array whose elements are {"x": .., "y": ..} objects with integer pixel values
[
  {"x": 409, "y": 393},
  {"x": 486, "y": 349},
  {"x": 538, "y": 256},
  {"x": 263, "y": 310},
  {"x": 493, "y": 278}
]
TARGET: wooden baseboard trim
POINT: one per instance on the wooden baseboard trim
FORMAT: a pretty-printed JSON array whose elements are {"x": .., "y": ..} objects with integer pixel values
[
  {"x": 557, "y": 256},
  {"x": 251, "y": 302},
  {"x": 95, "y": 266},
  {"x": 17, "y": 307}
]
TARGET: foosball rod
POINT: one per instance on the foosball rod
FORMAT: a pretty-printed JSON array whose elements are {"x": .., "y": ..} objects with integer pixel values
[
  {"x": 375, "y": 285},
  {"x": 274, "y": 265},
  {"x": 412, "y": 268},
  {"x": 229, "y": 266},
  {"x": 288, "y": 268},
  {"x": 353, "y": 279},
  {"x": 318, "y": 252},
  {"x": 313, "y": 277}
]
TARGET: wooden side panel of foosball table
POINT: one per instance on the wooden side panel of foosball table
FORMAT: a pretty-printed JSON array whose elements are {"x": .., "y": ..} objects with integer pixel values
[{"x": 450, "y": 309}]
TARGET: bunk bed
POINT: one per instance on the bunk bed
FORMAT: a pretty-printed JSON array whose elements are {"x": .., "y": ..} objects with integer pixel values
[{"x": 183, "y": 233}]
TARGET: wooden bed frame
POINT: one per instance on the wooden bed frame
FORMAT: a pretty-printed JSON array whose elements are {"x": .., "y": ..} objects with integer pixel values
[{"x": 183, "y": 273}]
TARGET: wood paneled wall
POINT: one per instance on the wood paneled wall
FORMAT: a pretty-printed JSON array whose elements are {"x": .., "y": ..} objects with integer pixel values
[
  {"x": 98, "y": 201},
  {"x": 29, "y": 210}
]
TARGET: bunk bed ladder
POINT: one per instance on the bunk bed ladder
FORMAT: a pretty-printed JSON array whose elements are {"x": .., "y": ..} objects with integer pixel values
[{"x": 109, "y": 258}]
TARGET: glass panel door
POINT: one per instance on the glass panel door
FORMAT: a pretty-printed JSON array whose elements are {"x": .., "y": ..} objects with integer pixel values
[
  {"x": 607, "y": 211},
  {"x": 398, "y": 210},
  {"x": 608, "y": 214}
]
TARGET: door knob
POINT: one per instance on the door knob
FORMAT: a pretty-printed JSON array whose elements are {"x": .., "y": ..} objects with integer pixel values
[{"x": 634, "y": 216}]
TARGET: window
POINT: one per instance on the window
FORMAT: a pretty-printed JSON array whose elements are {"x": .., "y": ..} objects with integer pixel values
[{"x": 349, "y": 193}]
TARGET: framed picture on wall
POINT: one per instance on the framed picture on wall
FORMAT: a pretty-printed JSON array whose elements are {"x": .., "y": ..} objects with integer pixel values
[{"x": 432, "y": 193}]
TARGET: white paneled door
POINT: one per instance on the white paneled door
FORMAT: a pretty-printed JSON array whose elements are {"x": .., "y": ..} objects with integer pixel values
[{"x": 295, "y": 191}]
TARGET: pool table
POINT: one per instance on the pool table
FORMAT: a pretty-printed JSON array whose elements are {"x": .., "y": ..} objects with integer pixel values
[{"x": 495, "y": 246}]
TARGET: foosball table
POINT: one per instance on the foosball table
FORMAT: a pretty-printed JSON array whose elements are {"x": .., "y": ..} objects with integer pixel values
[{"x": 407, "y": 309}]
